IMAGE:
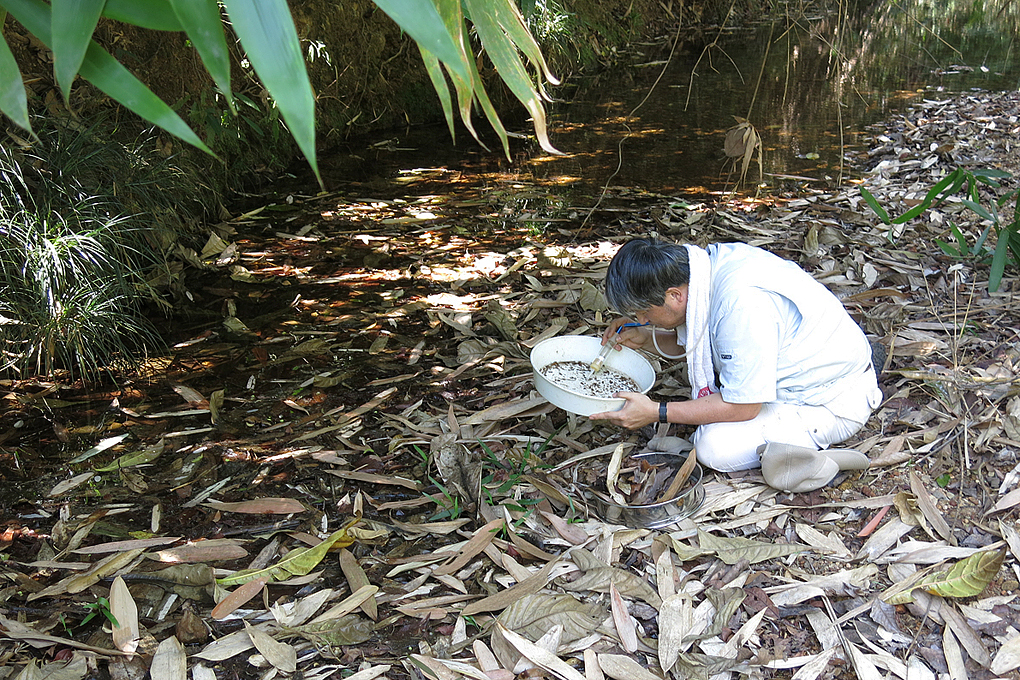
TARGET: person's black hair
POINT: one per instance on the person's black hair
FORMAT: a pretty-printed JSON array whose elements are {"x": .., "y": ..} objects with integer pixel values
[{"x": 641, "y": 273}]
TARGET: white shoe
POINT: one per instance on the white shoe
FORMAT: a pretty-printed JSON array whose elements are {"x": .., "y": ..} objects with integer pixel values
[{"x": 798, "y": 468}]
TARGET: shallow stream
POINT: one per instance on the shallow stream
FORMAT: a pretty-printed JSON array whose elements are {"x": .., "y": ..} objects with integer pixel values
[{"x": 810, "y": 85}]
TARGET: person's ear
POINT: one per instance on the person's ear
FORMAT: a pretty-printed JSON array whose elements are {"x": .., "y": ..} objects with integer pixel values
[{"x": 678, "y": 294}]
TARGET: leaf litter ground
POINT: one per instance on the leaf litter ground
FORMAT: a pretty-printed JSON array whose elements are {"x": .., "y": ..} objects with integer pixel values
[{"x": 342, "y": 468}]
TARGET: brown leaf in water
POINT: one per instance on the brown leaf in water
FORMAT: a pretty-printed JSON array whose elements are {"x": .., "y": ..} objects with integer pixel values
[
  {"x": 213, "y": 550},
  {"x": 357, "y": 579},
  {"x": 238, "y": 597},
  {"x": 260, "y": 506}
]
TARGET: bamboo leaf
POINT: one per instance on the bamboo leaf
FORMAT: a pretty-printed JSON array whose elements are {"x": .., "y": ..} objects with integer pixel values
[
  {"x": 623, "y": 666},
  {"x": 103, "y": 568},
  {"x": 980, "y": 210},
  {"x": 912, "y": 213},
  {"x": 280, "y": 654},
  {"x": 599, "y": 576},
  {"x": 967, "y": 578},
  {"x": 998, "y": 262},
  {"x": 504, "y": 55},
  {"x": 732, "y": 550},
  {"x": 122, "y": 606},
  {"x": 990, "y": 175},
  {"x": 536, "y": 613},
  {"x": 202, "y": 21},
  {"x": 510, "y": 19},
  {"x": 146, "y": 455},
  {"x": 106, "y": 73},
  {"x": 626, "y": 626},
  {"x": 13, "y": 100},
  {"x": 422, "y": 21},
  {"x": 357, "y": 579},
  {"x": 879, "y": 210},
  {"x": 73, "y": 23},
  {"x": 109, "y": 75},
  {"x": 435, "y": 71},
  {"x": 267, "y": 33},
  {"x": 170, "y": 662},
  {"x": 539, "y": 656},
  {"x": 297, "y": 562},
  {"x": 349, "y": 629},
  {"x": 949, "y": 184},
  {"x": 469, "y": 85},
  {"x": 155, "y": 14},
  {"x": 260, "y": 506},
  {"x": 238, "y": 597}
]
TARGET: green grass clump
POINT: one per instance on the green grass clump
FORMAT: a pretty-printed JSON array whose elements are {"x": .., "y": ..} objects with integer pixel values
[{"x": 86, "y": 224}]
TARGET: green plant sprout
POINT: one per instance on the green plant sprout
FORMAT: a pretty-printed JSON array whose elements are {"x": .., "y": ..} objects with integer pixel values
[
  {"x": 100, "y": 607},
  {"x": 514, "y": 468},
  {"x": 1007, "y": 231},
  {"x": 449, "y": 507}
]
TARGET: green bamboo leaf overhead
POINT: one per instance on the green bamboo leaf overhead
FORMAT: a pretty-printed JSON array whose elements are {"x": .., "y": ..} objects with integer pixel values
[
  {"x": 270, "y": 40},
  {"x": 421, "y": 20},
  {"x": 13, "y": 101},
  {"x": 510, "y": 20},
  {"x": 452, "y": 14},
  {"x": 108, "y": 74},
  {"x": 202, "y": 21},
  {"x": 155, "y": 14},
  {"x": 469, "y": 89},
  {"x": 505, "y": 56},
  {"x": 266, "y": 31},
  {"x": 74, "y": 22},
  {"x": 435, "y": 71}
]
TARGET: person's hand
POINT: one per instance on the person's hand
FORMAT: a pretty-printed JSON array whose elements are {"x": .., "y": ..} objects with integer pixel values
[
  {"x": 634, "y": 337},
  {"x": 638, "y": 410}
]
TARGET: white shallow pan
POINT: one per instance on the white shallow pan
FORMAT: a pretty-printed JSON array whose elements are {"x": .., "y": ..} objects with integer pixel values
[{"x": 585, "y": 348}]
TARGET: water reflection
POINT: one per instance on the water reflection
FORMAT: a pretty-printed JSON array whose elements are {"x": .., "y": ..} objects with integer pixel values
[{"x": 809, "y": 84}]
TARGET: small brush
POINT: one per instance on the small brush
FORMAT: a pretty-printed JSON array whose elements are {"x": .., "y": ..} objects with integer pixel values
[{"x": 600, "y": 360}]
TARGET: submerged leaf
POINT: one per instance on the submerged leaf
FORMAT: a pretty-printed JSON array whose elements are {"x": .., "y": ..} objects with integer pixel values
[{"x": 142, "y": 457}]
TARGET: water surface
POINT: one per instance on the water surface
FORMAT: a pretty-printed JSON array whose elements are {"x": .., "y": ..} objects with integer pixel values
[{"x": 809, "y": 84}]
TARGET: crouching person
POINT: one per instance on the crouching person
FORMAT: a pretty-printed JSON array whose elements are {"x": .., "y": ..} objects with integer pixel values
[{"x": 795, "y": 372}]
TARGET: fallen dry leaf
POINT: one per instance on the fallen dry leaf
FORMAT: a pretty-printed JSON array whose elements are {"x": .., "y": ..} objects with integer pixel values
[{"x": 122, "y": 606}]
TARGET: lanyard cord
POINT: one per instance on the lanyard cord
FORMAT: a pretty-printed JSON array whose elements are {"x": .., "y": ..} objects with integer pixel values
[{"x": 661, "y": 353}]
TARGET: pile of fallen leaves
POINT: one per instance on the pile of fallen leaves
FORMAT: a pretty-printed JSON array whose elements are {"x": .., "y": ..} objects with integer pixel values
[{"x": 348, "y": 472}]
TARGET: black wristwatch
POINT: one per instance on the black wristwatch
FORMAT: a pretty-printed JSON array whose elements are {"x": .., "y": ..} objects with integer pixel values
[{"x": 662, "y": 412}]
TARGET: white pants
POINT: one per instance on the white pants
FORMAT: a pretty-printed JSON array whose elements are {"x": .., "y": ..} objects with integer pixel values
[{"x": 728, "y": 447}]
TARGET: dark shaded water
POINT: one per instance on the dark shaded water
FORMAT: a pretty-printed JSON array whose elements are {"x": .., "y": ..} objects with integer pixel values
[{"x": 809, "y": 84}]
